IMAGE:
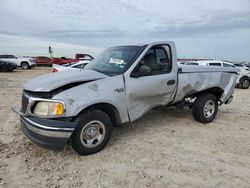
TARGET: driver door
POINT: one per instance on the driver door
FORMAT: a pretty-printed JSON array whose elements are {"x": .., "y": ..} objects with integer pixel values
[{"x": 147, "y": 92}]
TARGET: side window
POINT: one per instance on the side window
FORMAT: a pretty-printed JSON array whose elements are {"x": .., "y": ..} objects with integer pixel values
[
  {"x": 11, "y": 56},
  {"x": 227, "y": 65},
  {"x": 158, "y": 58},
  {"x": 215, "y": 64},
  {"x": 3, "y": 56},
  {"x": 191, "y": 63},
  {"x": 87, "y": 57}
]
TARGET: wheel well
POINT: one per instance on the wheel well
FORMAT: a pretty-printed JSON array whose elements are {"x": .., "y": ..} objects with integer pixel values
[
  {"x": 109, "y": 109},
  {"x": 215, "y": 90},
  {"x": 24, "y": 62},
  {"x": 244, "y": 77}
]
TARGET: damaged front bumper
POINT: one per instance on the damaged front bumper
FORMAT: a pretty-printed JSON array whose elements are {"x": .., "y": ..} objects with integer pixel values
[{"x": 48, "y": 133}]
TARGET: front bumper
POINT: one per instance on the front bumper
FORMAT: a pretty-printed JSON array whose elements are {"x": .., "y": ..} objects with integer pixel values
[{"x": 48, "y": 133}]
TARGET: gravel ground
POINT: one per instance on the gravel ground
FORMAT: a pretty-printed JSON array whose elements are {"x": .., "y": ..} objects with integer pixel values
[{"x": 165, "y": 148}]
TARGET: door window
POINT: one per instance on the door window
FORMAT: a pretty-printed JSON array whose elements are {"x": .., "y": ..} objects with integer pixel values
[
  {"x": 227, "y": 65},
  {"x": 158, "y": 59},
  {"x": 215, "y": 64}
]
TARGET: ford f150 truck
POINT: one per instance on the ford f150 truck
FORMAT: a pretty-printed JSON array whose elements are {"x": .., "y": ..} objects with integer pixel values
[{"x": 120, "y": 85}]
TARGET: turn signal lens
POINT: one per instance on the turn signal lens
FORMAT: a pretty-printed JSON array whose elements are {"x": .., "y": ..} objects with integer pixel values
[{"x": 56, "y": 108}]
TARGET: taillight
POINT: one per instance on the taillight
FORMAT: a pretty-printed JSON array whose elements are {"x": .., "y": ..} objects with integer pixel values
[{"x": 54, "y": 70}]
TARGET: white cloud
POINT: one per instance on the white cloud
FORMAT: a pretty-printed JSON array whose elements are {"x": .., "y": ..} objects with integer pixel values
[
  {"x": 110, "y": 22},
  {"x": 28, "y": 46}
]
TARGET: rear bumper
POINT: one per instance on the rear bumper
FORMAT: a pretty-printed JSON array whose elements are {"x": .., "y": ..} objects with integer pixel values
[{"x": 51, "y": 134}]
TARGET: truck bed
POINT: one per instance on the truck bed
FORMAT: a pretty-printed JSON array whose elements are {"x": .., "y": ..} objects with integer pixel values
[{"x": 192, "y": 79}]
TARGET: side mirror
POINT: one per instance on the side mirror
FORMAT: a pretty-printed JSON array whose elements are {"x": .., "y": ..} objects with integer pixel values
[{"x": 144, "y": 70}]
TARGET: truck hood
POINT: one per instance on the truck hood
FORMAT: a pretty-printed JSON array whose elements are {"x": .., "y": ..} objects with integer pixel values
[{"x": 52, "y": 81}]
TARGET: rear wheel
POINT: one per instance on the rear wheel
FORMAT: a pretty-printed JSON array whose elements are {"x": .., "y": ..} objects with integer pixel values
[
  {"x": 25, "y": 65},
  {"x": 205, "y": 108},
  {"x": 92, "y": 133},
  {"x": 245, "y": 83}
]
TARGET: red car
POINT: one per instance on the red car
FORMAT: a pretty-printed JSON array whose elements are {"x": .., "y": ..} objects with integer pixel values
[
  {"x": 46, "y": 61},
  {"x": 43, "y": 60},
  {"x": 63, "y": 60}
]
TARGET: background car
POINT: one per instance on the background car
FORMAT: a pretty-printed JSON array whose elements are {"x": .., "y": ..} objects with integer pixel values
[
  {"x": 63, "y": 60},
  {"x": 24, "y": 62},
  {"x": 7, "y": 66},
  {"x": 67, "y": 67},
  {"x": 43, "y": 61},
  {"x": 242, "y": 67},
  {"x": 243, "y": 81}
]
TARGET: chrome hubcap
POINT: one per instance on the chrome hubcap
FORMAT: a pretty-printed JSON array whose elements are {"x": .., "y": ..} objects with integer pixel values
[
  {"x": 25, "y": 66},
  {"x": 92, "y": 134},
  {"x": 209, "y": 108}
]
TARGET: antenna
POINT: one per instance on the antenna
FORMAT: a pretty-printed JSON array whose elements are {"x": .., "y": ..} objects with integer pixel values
[{"x": 50, "y": 52}]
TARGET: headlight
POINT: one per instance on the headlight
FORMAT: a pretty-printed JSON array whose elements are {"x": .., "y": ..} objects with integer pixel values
[{"x": 48, "y": 108}]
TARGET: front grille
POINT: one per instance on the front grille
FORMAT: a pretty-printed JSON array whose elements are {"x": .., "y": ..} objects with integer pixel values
[{"x": 25, "y": 102}]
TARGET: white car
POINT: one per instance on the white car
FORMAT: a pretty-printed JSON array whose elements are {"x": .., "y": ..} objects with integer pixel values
[
  {"x": 25, "y": 63},
  {"x": 243, "y": 81},
  {"x": 69, "y": 66}
]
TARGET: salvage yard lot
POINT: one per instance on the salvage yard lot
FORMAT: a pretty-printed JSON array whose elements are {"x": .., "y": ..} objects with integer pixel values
[{"x": 165, "y": 148}]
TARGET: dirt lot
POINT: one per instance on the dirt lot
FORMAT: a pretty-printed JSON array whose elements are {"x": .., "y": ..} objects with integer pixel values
[{"x": 165, "y": 148}]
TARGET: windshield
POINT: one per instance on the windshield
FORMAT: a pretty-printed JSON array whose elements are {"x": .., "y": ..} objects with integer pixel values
[{"x": 116, "y": 60}]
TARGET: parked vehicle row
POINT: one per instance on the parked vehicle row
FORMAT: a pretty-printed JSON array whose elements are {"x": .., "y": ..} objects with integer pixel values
[
  {"x": 243, "y": 81},
  {"x": 10, "y": 62},
  {"x": 46, "y": 61}
]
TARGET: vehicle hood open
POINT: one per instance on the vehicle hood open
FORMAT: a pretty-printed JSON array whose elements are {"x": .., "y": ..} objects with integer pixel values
[{"x": 52, "y": 81}]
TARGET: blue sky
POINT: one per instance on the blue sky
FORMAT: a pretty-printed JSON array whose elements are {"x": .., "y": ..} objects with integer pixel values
[{"x": 199, "y": 27}]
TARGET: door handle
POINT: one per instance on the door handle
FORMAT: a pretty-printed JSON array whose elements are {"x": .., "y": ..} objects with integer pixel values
[{"x": 171, "y": 82}]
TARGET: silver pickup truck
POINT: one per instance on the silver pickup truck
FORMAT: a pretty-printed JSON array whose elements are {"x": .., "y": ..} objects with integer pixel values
[{"x": 120, "y": 85}]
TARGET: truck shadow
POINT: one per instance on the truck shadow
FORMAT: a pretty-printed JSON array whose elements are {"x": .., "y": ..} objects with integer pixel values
[{"x": 166, "y": 117}]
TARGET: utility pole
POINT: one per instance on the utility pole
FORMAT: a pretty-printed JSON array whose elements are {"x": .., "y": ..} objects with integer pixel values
[{"x": 50, "y": 52}]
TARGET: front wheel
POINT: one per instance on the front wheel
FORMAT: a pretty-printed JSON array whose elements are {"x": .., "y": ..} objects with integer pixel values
[
  {"x": 205, "y": 108},
  {"x": 92, "y": 133},
  {"x": 25, "y": 65}
]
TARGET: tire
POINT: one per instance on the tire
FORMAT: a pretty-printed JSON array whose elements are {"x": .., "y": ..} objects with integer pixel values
[
  {"x": 93, "y": 132},
  {"x": 25, "y": 65},
  {"x": 244, "y": 83},
  {"x": 205, "y": 108},
  {"x": 4, "y": 69}
]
